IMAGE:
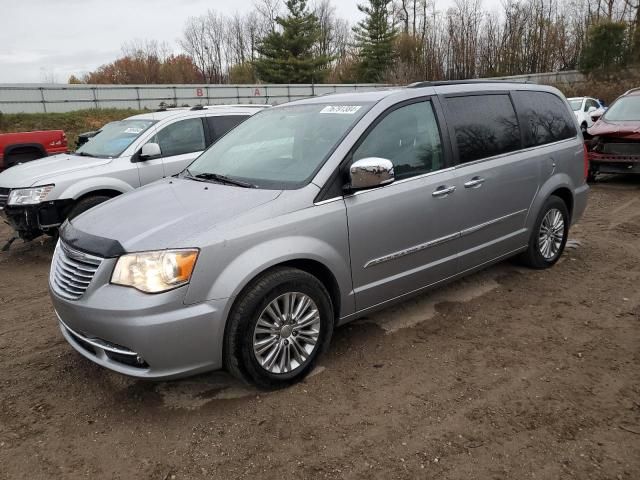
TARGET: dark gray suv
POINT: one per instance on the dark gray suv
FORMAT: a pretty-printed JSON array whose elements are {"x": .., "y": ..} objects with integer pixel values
[{"x": 311, "y": 214}]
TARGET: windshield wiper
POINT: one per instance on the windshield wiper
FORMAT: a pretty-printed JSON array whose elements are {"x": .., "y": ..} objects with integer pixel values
[
  {"x": 216, "y": 177},
  {"x": 84, "y": 154}
]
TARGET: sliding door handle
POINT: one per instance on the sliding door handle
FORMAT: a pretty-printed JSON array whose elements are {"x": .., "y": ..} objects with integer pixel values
[
  {"x": 474, "y": 182},
  {"x": 443, "y": 191}
]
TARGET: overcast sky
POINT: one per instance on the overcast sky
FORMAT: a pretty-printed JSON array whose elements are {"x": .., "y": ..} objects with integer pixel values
[
  {"x": 40, "y": 39},
  {"x": 52, "y": 39}
]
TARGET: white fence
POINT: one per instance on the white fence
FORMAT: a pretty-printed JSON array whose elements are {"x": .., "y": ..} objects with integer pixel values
[{"x": 32, "y": 98}]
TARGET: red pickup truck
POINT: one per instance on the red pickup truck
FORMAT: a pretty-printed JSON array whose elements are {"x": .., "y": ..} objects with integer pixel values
[{"x": 25, "y": 146}]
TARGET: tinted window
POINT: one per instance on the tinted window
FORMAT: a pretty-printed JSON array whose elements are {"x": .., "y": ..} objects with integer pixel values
[
  {"x": 185, "y": 136},
  {"x": 409, "y": 137},
  {"x": 546, "y": 117},
  {"x": 221, "y": 125},
  {"x": 485, "y": 125}
]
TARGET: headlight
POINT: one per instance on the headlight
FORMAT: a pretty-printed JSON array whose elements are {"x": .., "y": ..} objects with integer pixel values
[
  {"x": 154, "y": 272},
  {"x": 29, "y": 196}
]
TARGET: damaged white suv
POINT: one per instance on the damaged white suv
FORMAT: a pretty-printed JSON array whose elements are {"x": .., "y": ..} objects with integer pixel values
[{"x": 38, "y": 196}]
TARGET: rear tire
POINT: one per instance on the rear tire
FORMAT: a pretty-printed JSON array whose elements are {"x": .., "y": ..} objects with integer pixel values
[
  {"x": 86, "y": 204},
  {"x": 274, "y": 351},
  {"x": 549, "y": 235}
]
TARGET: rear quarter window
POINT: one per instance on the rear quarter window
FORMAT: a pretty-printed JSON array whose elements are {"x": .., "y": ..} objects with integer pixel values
[
  {"x": 545, "y": 117},
  {"x": 220, "y": 125}
]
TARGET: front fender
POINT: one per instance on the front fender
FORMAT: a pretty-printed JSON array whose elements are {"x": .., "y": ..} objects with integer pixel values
[
  {"x": 77, "y": 190},
  {"x": 239, "y": 271}
]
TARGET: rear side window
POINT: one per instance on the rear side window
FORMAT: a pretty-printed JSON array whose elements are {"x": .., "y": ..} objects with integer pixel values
[
  {"x": 218, "y": 126},
  {"x": 484, "y": 125},
  {"x": 546, "y": 118}
]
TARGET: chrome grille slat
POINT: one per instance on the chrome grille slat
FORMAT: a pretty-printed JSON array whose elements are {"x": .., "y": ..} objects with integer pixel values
[
  {"x": 72, "y": 271},
  {"x": 75, "y": 272},
  {"x": 71, "y": 281}
]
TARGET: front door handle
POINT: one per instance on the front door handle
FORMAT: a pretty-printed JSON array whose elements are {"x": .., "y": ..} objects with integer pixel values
[
  {"x": 443, "y": 191},
  {"x": 475, "y": 182}
]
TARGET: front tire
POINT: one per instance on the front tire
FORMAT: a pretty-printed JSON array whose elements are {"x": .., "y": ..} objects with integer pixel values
[
  {"x": 85, "y": 204},
  {"x": 277, "y": 329},
  {"x": 549, "y": 235}
]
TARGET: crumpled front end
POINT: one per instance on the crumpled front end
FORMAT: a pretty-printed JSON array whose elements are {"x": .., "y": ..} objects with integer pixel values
[{"x": 614, "y": 148}]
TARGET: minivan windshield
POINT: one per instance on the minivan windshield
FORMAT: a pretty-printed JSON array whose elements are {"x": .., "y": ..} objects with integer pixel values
[
  {"x": 575, "y": 103},
  {"x": 114, "y": 138},
  {"x": 279, "y": 148},
  {"x": 624, "y": 109}
]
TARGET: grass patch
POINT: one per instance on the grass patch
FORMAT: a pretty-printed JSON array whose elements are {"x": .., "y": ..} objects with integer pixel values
[{"x": 72, "y": 123}]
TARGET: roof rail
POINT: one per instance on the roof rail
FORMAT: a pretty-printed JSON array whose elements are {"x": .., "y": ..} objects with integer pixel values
[
  {"x": 235, "y": 105},
  {"x": 440, "y": 83}
]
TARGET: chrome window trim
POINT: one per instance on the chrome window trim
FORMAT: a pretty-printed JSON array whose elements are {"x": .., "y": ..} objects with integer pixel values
[
  {"x": 400, "y": 182},
  {"x": 522, "y": 150}
]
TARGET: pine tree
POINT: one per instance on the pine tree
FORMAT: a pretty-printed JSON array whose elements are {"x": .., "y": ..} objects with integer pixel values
[
  {"x": 375, "y": 37},
  {"x": 286, "y": 56}
]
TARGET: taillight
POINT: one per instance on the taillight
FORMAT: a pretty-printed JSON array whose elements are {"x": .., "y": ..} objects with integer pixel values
[{"x": 586, "y": 161}]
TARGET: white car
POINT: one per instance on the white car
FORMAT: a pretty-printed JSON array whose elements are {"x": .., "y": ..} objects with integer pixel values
[
  {"x": 38, "y": 196},
  {"x": 582, "y": 108}
]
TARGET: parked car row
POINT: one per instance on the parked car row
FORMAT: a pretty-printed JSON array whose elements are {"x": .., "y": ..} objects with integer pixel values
[
  {"x": 38, "y": 196},
  {"x": 303, "y": 217}
]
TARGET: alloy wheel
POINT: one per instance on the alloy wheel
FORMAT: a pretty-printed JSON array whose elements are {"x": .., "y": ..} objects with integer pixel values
[
  {"x": 286, "y": 333},
  {"x": 551, "y": 234}
]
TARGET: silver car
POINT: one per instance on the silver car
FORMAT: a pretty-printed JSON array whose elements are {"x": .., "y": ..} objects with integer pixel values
[{"x": 311, "y": 214}]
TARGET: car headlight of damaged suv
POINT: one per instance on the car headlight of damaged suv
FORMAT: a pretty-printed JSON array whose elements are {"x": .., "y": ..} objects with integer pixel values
[
  {"x": 155, "y": 272},
  {"x": 29, "y": 196}
]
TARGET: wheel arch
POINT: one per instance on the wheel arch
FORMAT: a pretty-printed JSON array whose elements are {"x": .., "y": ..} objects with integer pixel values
[
  {"x": 10, "y": 149},
  {"x": 559, "y": 185}
]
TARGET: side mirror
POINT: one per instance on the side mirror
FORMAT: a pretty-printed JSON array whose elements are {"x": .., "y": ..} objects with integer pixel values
[
  {"x": 150, "y": 150},
  {"x": 371, "y": 172},
  {"x": 591, "y": 110},
  {"x": 596, "y": 114}
]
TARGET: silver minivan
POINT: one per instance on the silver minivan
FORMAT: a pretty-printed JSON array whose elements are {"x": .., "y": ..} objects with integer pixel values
[{"x": 311, "y": 214}]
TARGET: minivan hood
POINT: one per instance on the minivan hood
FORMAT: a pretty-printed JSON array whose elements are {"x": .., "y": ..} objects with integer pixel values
[
  {"x": 44, "y": 170},
  {"x": 167, "y": 213}
]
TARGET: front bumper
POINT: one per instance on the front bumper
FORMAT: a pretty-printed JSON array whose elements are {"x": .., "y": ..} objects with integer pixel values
[
  {"x": 30, "y": 221},
  {"x": 142, "y": 335},
  {"x": 613, "y": 163}
]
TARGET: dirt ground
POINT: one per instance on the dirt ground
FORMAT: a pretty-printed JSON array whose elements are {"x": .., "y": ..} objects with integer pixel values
[{"x": 510, "y": 373}]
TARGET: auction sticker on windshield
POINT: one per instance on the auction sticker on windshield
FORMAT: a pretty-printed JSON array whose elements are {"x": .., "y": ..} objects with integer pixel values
[{"x": 341, "y": 109}]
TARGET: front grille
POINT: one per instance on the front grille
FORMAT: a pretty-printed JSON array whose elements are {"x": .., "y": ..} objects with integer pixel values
[
  {"x": 4, "y": 195},
  {"x": 72, "y": 271}
]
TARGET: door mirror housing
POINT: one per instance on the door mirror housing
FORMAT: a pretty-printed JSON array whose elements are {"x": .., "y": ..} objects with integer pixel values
[
  {"x": 150, "y": 150},
  {"x": 371, "y": 172},
  {"x": 591, "y": 110},
  {"x": 596, "y": 114}
]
